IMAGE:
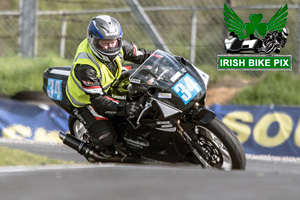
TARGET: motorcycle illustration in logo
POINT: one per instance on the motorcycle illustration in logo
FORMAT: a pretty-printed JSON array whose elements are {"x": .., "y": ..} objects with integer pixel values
[{"x": 274, "y": 32}]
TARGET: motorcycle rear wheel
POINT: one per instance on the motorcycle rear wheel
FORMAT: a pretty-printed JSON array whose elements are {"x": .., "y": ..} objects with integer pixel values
[{"x": 77, "y": 129}]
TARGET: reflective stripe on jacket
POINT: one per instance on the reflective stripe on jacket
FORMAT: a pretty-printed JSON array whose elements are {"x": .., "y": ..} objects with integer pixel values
[{"x": 84, "y": 56}]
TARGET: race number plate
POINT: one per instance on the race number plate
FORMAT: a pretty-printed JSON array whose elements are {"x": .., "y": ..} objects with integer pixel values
[
  {"x": 54, "y": 89},
  {"x": 187, "y": 88}
]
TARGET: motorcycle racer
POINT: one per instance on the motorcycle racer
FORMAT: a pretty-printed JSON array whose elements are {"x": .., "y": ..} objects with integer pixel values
[
  {"x": 274, "y": 40},
  {"x": 96, "y": 66}
]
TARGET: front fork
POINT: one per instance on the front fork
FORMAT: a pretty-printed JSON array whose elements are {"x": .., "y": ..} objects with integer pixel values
[{"x": 192, "y": 143}]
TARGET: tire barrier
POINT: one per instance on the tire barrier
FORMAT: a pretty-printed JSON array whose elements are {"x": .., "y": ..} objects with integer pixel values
[{"x": 25, "y": 121}]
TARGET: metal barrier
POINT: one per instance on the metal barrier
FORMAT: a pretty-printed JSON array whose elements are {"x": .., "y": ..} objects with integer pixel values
[{"x": 193, "y": 29}]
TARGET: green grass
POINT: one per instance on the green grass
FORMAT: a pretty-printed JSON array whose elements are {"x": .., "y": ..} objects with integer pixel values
[
  {"x": 26, "y": 74},
  {"x": 278, "y": 88},
  {"x": 14, "y": 157}
]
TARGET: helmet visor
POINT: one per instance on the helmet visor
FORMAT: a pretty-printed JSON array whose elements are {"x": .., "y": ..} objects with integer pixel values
[{"x": 107, "y": 44}]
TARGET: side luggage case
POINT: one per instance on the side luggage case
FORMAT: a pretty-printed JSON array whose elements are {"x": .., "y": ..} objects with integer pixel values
[{"x": 54, "y": 85}]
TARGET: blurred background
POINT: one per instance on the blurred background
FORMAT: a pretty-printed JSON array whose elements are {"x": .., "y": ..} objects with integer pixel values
[
  {"x": 38, "y": 34},
  {"x": 194, "y": 29}
]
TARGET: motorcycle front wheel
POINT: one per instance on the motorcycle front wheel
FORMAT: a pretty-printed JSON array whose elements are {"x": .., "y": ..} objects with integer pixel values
[
  {"x": 270, "y": 48},
  {"x": 218, "y": 147}
]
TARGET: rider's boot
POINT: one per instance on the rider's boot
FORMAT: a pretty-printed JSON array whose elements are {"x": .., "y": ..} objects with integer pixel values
[
  {"x": 107, "y": 152},
  {"x": 102, "y": 153}
]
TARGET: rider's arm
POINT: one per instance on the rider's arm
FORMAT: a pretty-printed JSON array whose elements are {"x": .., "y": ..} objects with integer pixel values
[
  {"x": 91, "y": 84},
  {"x": 133, "y": 54}
]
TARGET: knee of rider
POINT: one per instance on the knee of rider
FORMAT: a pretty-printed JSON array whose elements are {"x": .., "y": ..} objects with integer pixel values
[
  {"x": 105, "y": 138},
  {"x": 102, "y": 134}
]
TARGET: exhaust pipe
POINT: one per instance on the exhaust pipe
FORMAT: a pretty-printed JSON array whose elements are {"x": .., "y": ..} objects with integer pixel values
[
  {"x": 80, "y": 146},
  {"x": 84, "y": 149},
  {"x": 62, "y": 136}
]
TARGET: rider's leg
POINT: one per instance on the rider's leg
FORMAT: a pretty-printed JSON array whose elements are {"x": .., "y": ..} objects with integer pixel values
[{"x": 100, "y": 128}]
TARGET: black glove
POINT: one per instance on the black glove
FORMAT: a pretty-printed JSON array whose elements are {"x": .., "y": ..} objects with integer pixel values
[{"x": 133, "y": 109}]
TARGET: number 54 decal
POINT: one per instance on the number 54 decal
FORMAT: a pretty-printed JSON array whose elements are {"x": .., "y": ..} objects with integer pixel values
[
  {"x": 54, "y": 89},
  {"x": 187, "y": 88}
]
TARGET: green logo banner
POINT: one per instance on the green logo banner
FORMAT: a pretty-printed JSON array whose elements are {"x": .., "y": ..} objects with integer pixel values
[{"x": 263, "y": 63}]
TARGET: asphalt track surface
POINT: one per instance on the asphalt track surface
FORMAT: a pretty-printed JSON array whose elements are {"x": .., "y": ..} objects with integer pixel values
[{"x": 265, "y": 178}]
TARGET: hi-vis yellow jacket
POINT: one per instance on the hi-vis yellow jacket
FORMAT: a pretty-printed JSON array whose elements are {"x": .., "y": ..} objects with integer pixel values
[{"x": 84, "y": 56}]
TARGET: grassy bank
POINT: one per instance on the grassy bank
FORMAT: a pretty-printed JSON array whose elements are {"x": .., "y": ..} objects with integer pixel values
[
  {"x": 21, "y": 74},
  {"x": 278, "y": 88},
  {"x": 14, "y": 157}
]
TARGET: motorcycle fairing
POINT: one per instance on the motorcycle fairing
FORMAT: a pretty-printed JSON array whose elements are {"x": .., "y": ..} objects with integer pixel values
[
  {"x": 166, "y": 109},
  {"x": 186, "y": 88},
  {"x": 171, "y": 75},
  {"x": 153, "y": 143}
]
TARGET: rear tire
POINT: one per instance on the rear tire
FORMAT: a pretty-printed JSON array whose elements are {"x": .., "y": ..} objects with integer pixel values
[{"x": 77, "y": 129}]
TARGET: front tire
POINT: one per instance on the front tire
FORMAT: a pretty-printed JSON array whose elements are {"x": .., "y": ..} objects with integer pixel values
[
  {"x": 219, "y": 147},
  {"x": 270, "y": 48}
]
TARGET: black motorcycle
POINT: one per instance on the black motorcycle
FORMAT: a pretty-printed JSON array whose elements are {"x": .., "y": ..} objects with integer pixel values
[
  {"x": 174, "y": 125},
  {"x": 274, "y": 40}
]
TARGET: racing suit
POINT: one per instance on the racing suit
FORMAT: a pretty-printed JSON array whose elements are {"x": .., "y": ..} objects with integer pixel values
[{"x": 87, "y": 87}]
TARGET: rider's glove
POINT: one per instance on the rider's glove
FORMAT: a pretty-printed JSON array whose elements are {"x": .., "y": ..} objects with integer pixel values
[{"x": 133, "y": 109}]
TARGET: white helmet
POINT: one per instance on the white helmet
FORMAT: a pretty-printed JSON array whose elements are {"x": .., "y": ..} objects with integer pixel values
[
  {"x": 285, "y": 32},
  {"x": 104, "y": 28}
]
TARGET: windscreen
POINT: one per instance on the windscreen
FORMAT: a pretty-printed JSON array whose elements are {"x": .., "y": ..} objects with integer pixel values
[{"x": 160, "y": 66}]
